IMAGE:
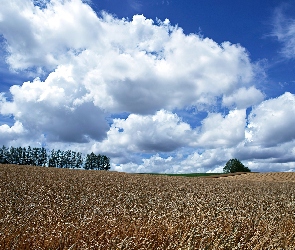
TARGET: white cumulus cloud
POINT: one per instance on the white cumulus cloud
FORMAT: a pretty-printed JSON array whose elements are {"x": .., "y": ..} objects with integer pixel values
[
  {"x": 272, "y": 122},
  {"x": 243, "y": 98},
  {"x": 8, "y": 133},
  {"x": 135, "y": 66},
  {"x": 219, "y": 131},
  {"x": 162, "y": 132}
]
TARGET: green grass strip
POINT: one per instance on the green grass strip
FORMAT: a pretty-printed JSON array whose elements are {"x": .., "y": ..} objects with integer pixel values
[{"x": 186, "y": 175}]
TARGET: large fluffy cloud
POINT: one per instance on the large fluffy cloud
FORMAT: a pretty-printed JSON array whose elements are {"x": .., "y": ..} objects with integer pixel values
[
  {"x": 44, "y": 37},
  {"x": 272, "y": 122},
  {"x": 136, "y": 66},
  {"x": 243, "y": 98},
  {"x": 53, "y": 108},
  {"x": 8, "y": 134},
  {"x": 104, "y": 64},
  {"x": 162, "y": 132},
  {"x": 219, "y": 131}
]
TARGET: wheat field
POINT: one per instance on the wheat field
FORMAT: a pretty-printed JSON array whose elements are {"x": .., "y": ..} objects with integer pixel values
[
  {"x": 48, "y": 208},
  {"x": 275, "y": 177}
]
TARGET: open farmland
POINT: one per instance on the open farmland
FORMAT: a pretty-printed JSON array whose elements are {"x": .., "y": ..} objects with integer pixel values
[
  {"x": 48, "y": 208},
  {"x": 276, "y": 177}
]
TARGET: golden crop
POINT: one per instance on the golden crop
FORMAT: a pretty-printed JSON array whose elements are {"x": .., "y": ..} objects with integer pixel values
[{"x": 48, "y": 208}]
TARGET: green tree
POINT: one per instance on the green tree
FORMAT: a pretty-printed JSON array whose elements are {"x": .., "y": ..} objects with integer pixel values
[
  {"x": 53, "y": 160},
  {"x": 22, "y": 156},
  {"x": 91, "y": 161},
  {"x": 39, "y": 156},
  {"x": 104, "y": 162},
  {"x": 234, "y": 165},
  {"x": 13, "y": 156},
  {"x": 4, "y": 152},
  {"x": 97, "y": 162},
  {"x": 28, "y": 159},
  {"x": 76, "y": 160}
]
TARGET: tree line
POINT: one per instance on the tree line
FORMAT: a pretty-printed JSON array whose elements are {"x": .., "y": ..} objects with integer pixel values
[{"x": 54, "y": 158}]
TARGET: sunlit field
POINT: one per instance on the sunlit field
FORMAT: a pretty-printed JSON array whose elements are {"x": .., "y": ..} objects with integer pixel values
[{"x": 49, "y": 208}]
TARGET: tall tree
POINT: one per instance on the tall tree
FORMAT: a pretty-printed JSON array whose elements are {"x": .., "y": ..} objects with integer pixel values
[
  {"x": 12, "y": 156},
  {"x": 76, "y": 160},
  {"x": 234, "y": 165},
  {"x": 91, "y": 161},
  {"x": 42, "y": 159},
  {"x": 53, "y": 159},
  {"x": 104, "y": 162},
  {"x": 4, "y": 155},
  {"x": 29, "y": 156}
]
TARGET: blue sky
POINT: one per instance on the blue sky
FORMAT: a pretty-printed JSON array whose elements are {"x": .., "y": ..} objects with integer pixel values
[{"x": 159, "y": 86}]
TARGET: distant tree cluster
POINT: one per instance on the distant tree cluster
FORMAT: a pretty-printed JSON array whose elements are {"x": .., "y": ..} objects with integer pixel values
[
  {"x": 235, "y": 165},
  {"x": 99, "y": 162},
  {"x": 55, "y": 158},
  {"x": 65, "y": 159}
]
